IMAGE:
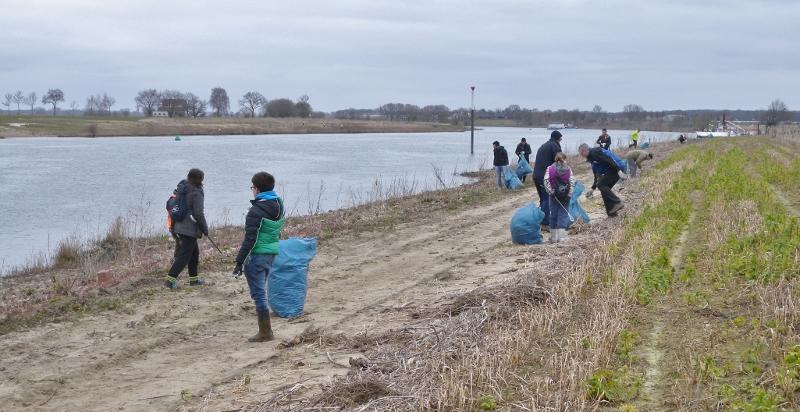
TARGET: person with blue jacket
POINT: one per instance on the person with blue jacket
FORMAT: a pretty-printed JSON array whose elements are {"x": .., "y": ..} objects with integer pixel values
[
  {"x": 256, "y": 256},
  {"x": 545, "y": 156},
  {"x": 606, "y": 167}
]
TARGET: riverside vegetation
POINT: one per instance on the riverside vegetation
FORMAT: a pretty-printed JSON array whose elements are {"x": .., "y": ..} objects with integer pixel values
[
  {"x": 689, "y": 301},
  {"x": 87, "y": 126}
]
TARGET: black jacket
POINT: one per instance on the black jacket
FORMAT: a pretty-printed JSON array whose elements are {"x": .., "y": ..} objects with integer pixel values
[
  {"x": 500, "y": 156},
  {"x": 545, "y": 156},
  {"x": 604, "y": 142},
  {"x": 261, "y": 209},
  {"x": 194, "y": 224},
  {"x": 523, "y": 148},
  {"x": 601, "y": 164}
]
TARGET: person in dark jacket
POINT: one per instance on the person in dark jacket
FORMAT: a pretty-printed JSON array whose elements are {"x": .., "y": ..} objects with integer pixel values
[
  {"x": 606, "y": 175},
  {"x": 500, "y": 163},
  {"x": 545, "y": 156},
  {"x": 262, "y": 233},
  {"x": 189, "y": 230},
  {"x": 524, "y": 150},
  {"x": 604, "y": 140}
]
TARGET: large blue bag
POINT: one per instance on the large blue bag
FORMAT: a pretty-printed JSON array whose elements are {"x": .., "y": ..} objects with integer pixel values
[
  {"x": 512, "y": 181},
  {"x": 526, "y": 225},
  {"x": 287, "y": 282},
  {"x": 575, "y": 208},
  {"x": 523, "y": 167}
]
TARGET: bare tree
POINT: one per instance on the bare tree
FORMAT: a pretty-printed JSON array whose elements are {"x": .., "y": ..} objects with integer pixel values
[
  {"x": 8, "y": 98},
  {"x": 251, "y": 102},
  {"x": 302, "y": 108},
  {"x": 92, "y": 106},
  {"x": 53, "y": 96},
  {"x": 74, "y": 107},
  {"x": 195, "y": 106},
  {"x": 148, "y": 101},
  {"x": 280, "y": 108},
  {"x": 776, "y": 113},
  {"x": 597, "y": 109},
  {"x": 107, "y": 102},
  {"x": 19, "y": 99},
  {"x": 219, "y": 101},
  {"x": 633, "y": 112},
  {"x": 30, "y": 100}
]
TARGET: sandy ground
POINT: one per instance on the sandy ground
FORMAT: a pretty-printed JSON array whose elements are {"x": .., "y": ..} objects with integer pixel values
[{"x": 193, "y": 341}]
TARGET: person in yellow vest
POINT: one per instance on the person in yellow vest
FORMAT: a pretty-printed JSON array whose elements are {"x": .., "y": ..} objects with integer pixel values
[
  {"x": 635, "y": 139},
  {"x": 262, "y": 233}
]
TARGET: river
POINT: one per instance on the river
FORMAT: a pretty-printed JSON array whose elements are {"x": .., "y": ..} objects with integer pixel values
[{"x": 54, "y": 188}]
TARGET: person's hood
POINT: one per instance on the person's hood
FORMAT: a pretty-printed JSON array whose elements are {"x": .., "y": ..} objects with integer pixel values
[{"x": 183, "y": 187}]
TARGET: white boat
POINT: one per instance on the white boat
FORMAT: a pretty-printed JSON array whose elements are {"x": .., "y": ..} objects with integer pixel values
[{"x": 556, "y": 126}]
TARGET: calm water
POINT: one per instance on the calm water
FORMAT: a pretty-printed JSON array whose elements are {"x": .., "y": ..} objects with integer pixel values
[{"x": 53, "y": 188}]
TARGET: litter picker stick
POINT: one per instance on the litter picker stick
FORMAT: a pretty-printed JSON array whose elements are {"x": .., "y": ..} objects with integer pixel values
[
  {"x": 215, "y": 245},
  {"x": 571, "y": 219}
]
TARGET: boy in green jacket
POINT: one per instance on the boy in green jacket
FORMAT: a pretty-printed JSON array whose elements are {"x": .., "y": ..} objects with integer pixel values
[{"x": 260, "y": 246}]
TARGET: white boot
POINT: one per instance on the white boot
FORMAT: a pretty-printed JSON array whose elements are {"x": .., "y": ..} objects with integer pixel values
[
  {"x": 562, "y": 234},
  {"x": 553, "y": 235}
]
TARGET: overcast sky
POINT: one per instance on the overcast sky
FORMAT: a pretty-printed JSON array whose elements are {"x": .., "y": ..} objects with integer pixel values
[{"x": 363, "y": 53}]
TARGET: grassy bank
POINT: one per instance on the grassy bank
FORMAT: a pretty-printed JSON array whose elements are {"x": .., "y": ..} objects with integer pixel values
[
  {"x": 79, "y": 126},
  {"x": 688, "y": 303}
]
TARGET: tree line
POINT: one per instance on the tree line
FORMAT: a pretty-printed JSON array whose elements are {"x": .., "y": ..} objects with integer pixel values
[
  {"x": 631, "y": 116},
  {"x": 252, "y": 104},
  {"x": 174, "y": 103}
]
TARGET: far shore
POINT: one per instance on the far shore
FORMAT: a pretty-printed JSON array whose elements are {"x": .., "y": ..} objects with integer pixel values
[{"x": 76, "y": 126}]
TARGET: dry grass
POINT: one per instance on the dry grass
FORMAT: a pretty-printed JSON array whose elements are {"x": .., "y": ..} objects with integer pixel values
[{"x": 79, "y": 126}]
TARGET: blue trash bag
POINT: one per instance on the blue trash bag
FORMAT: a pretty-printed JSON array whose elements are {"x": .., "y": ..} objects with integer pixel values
[
  {"x": 512, "y": 181},
  {"x": 287, "y": 282},
  {"x": 575, "y": 209},
  {"x": 645, "y": 145},
  {"x": 526, "y": 225},
  {"x": 523, "y": 167},
  {"x": 625, "y": 165}
]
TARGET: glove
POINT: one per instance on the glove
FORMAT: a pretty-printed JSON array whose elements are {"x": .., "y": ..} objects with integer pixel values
[
  {"x": 622, "y": 175},
  {"x": 590, "y": 193},
  {"x": 237, "y": 271}
]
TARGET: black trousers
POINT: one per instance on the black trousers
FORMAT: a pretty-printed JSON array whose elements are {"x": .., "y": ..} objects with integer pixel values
[
  {"x": 188, "y": 254},
  {"x": 605, "y": 183}
]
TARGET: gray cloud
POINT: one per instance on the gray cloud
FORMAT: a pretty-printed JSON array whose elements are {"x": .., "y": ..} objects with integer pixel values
[{"x": 545, "y": 54}]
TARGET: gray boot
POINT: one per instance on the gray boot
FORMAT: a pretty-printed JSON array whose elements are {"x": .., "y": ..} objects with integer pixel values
[{"x": 264, "y": 328}]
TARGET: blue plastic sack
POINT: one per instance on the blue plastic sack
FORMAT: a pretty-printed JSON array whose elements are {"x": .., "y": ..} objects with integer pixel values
[
  {"x": 625, "y": 165},
  {"x": 526, "y": 225},
  {"x": 523, "y": 167},
  {"x": 287, "y": 282},
  {"x": 644, "y": 145},
  {"x": 512, "y": 181},
  {"x": 575, "y": 209}
]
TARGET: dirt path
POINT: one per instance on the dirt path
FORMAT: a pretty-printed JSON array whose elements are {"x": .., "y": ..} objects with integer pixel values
[{"x": 192, "y": 341}]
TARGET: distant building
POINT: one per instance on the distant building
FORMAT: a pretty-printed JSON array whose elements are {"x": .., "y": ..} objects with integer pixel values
[
  {"x": 160, "y": 113},
  {"x": 174, "y": 107}
]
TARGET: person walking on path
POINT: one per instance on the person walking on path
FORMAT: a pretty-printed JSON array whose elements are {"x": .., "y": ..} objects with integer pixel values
[
  {"x": 262, "y": 232},
  {"x": 500, "y": 164},
  {"x": 604, "y": 140},
  {"x": 545, "y": 156},
  {"x": 635, "y": 139},
  {"x": 606, "y": 174},
  {"x": 189, "y": 230},
  {"x": 524, "y": 150},
  {"x": 635, "y": 159},
  {"x": 560, "y": 184}
]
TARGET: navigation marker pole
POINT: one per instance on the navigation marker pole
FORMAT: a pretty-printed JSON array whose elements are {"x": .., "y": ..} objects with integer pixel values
[{"x": 472, "y": 122}]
